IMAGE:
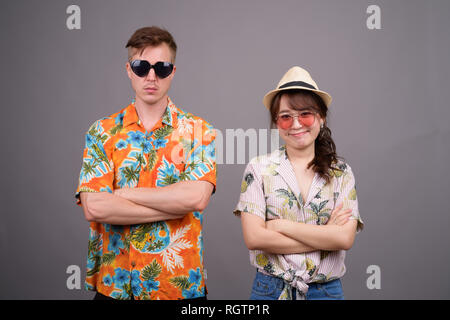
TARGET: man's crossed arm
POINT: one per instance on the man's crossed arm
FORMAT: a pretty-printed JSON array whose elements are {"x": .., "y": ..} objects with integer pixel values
[{"x": 141, "y": 205}]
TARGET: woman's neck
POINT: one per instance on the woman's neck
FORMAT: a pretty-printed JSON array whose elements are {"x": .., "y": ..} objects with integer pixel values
[{"x": 300, "y": 156}]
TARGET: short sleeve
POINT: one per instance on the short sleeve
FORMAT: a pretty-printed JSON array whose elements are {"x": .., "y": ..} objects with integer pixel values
[
  {"x": 347, "y": 196},
  {"x": 201, "y": 159},
  {"x": 252, "y": 199},
  {"x": 97, "y": 170}
]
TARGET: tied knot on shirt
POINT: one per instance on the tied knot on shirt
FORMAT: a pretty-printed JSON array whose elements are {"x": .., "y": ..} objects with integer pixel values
[{"x": 292, "y": 280}]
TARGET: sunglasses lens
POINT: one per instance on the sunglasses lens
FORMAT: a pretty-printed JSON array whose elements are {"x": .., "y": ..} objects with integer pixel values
[
  {"x": 284, "y": 122},
  {"x": 306, "y": 119},
  {"x": 140, "y": 67},
  {"x": 163, "y": 69}
]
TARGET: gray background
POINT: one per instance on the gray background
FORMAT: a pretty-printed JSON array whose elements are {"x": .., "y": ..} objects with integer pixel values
[{"x": 389, "y": 117}]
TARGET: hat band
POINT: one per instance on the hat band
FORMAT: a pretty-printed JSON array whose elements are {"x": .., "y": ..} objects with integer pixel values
[{"x": 297, "y": 84}]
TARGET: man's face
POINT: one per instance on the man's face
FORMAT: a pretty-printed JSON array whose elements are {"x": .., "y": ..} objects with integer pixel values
[{"x": 151, "y": 89}]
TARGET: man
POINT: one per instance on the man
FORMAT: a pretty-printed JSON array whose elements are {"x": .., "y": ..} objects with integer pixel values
[{"x": 147, "y": 175}]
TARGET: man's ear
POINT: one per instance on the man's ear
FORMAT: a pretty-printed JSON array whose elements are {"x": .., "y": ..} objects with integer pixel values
[{"x": 128, "y": 68}]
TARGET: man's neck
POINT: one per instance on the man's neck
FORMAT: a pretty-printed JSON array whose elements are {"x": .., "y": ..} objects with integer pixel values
[{"x": 149, "y": 114}]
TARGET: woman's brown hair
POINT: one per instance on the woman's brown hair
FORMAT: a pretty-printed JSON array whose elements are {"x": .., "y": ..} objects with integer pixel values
[{"x": 325, "y": 157}]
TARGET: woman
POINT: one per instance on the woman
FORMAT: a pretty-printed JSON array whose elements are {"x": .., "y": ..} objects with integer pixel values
[{"x": 298, "y": 205}]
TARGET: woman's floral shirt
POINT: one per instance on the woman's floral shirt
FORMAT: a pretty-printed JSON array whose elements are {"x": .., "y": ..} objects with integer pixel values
[{"x": 270, "y": 190}]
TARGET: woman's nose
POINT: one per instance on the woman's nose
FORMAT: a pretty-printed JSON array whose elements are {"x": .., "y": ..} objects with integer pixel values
[{"x": 296, "y": 123}]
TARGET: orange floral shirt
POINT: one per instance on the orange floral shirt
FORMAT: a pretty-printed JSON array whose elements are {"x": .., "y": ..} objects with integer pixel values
[{"x": 159, "y": 260}]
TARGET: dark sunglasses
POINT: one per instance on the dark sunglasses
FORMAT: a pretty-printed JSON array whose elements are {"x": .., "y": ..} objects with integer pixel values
[{"x": 142, "y": 67}]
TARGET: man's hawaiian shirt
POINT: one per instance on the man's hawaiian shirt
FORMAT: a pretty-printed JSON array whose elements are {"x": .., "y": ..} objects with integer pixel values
[{"x": 159, "y": 260}]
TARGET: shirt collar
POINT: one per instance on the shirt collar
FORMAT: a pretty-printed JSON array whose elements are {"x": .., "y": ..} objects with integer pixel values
[
  {"x": 131, "y": 116},
  {"x": 279, "y": 155},
  {"x": 286, "y": 171}
]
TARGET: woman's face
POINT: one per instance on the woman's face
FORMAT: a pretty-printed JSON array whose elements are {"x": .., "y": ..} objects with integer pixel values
[{"x": 298, "y": 135}]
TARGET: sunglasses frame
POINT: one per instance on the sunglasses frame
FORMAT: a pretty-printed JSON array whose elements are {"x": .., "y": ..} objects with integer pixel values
[
  {"x": 296, "y": 115},
  {"x": 154, "y": 66}
]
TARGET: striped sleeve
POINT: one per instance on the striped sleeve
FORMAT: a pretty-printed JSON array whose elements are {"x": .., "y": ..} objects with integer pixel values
[
  {"x": 251, "y": 198},
  {"x": 347, "y": 196}
]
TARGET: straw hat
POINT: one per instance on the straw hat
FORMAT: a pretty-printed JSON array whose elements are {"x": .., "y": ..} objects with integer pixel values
[{"x": 296, "y": 78}]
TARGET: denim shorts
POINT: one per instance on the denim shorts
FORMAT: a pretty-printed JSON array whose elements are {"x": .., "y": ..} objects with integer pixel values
[{"x": 269, "y": 288}]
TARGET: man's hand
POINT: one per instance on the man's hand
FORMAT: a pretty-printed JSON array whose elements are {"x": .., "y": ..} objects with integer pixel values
[
  {"x": 178, "y": 198},
  {"x": 105, "y": 207},
  {"x": 120, "y": 192}
]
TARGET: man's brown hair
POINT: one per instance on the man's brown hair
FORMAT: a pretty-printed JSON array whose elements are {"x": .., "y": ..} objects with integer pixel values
[{"x": 150, "y": 36}]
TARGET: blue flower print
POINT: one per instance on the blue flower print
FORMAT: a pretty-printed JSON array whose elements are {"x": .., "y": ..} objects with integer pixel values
[
  {"x": 119, "y": 118},
  {"x": 191, "y": 293},
  {"x": 160, "y": 143},
  {"x": 195, "y": 277},
  {"x": 136, "y": 283},
  {"x": 113, "y": 227},
  {"x": 121, "y": 277},
  {"x": 150, "y": 285},
  {"x": 121, "y": 144},
  {"x": 107, "y": 281},
  {"x": 136, "y": 138},
  {"x": 115, "y": 242},
  {"x": 146, "y": 146}
]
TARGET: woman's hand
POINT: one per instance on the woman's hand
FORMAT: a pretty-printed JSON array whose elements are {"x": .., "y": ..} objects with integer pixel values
[
  {"x": 337, "y": 234},
  {"x": 339, "y": 217}
]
